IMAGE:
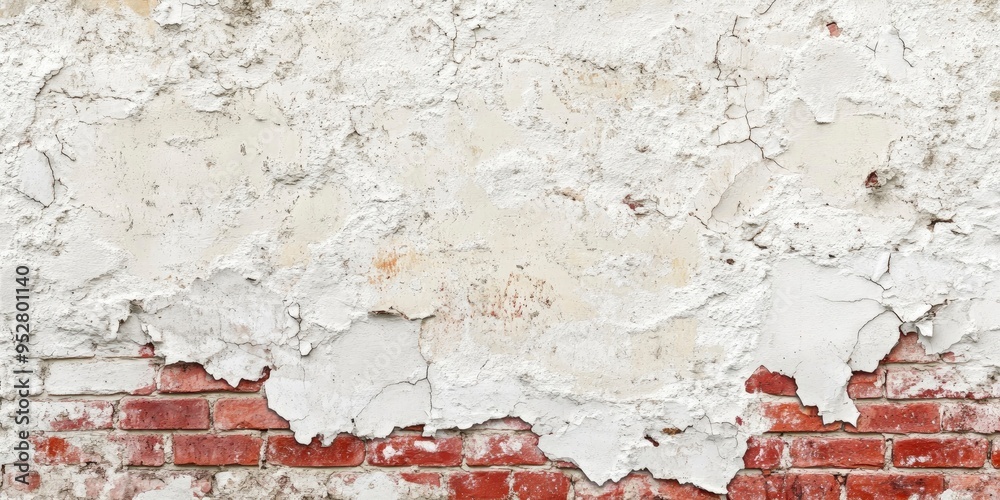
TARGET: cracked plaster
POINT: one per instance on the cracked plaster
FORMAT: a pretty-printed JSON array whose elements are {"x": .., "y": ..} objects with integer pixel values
[{"x": 598, "y": 217}]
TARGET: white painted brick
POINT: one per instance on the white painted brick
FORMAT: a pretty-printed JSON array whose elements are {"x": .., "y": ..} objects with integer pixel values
[
  {"x": 72, "y": 415},
  {"x": 100, "y": 376}
]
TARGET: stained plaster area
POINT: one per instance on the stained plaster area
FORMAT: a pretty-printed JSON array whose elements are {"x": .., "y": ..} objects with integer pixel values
[{"x": 597, "y": 216}]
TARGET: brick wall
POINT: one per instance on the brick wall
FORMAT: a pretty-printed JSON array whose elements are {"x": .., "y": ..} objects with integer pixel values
[{"x": 926, "y": 426}]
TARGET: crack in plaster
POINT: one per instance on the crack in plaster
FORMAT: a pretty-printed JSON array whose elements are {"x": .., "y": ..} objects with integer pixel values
[{"x": 579, "y": 225}]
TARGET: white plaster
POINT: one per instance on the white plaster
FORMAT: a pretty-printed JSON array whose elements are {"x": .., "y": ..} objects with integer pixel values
[
  {"x": 99, "y": 376},
  {"x": 599, "y": 217},
  {"x": 177, "y": 489}
]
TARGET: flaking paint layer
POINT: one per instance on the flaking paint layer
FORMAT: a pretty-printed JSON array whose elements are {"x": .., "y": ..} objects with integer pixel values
[{"x": 600, "y": 217}]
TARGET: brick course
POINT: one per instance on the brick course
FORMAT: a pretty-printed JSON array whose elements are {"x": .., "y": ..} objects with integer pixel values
[{"x": 926, "y": 425}]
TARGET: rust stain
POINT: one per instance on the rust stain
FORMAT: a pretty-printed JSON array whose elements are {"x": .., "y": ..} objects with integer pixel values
[{"x": 387, "y": 265}]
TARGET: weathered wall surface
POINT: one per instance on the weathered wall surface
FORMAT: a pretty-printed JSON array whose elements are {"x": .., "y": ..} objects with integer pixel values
[
  {"x": 600, "y": 218},
  {"x": 173, "y": 432}
]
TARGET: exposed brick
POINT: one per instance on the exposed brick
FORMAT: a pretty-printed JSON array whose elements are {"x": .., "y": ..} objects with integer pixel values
[
  {"x": 976, "y": 487},
  {"x": 246, "y": 413},
  {"x": 192, "y": 377},
  {"x": 130, "y": 484},
  {"x": 585, "y": 489},
  {"x": 837, "y": 452},
  {"x": 32, "y": 480},
  {"x": 150, "y": 413},
  {"x": 396, "y": 451},
  {"x": 541, "y": 486},
  {"x": 867, "y": 385},
  {"x": 995, "y": 454},
  {"x": 909, "y": 350},
  {"x": 898, "y": 418},
  {"x": 669, "y": 489},
  {"x": 638, "y": 486},
  {"x": 486, "y": 485},
  {"x": 344, "y": 451},
  {"x": 948, "y": 381},
  {"x": 974, "y": 417},
  {"x": 140, "y": 449},
  {"x": 115, "y": 449},
  {"x": 793, "y": 417},
  {"x": 929, "y": 452},
  {"x": 894, "y": 487},
  {"x": 503, "y": 449},
  {"x": 424, "y": 478},
  {"x": 100, "y": 376},
  {"x": 73, "y": 415},
  {"x": 785, "y": 486},
  {"x": 209, "y": 449},
  {"x": 763, "y": 453},
  {"x": 768, "y": 382},
  {"x": 147, "y": 351},
  {"x": 57, "y": 450}
]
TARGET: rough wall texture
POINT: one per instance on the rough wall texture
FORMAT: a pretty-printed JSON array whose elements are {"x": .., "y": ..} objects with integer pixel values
[
  {"x": 179, "y": 433},
  {"x": 597, "y": 217}
]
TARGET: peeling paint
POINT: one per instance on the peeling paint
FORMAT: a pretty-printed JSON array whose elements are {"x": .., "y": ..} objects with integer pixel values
[{"x": 597, "y": 217}]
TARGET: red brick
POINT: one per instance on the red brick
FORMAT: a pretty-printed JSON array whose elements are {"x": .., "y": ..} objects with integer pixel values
[
  {"x": 130, "y": 449},
  {"x": 492, "y": 485},
  {"x": 150, "y": 413},
  {"x": 344, "y": 451},
  {"x": 793, "y": 417},
  {"x": 763, "y": 453},
  {"x": 424, "y": 478},
  {"x": 867, "y": 385},
  {"x": 32, "y": 479},
  {"x": 898, "y": 418},
  {"x": 971, "y": 417},
  {"x": 192, "y": 377},
  {"x": 949, "y": 381},
  {"x": 140, "y": 449},
  {"x": 396, "y": 451},
  {"x": 585, "y": 489},
  {"x": 909, "y": 350},
  {"x": 928, "y": 452},
  {"x": 837, "y": 452},
  {"x": 131, "y": 483},
  {"x": 894, "y": 487},
  {"x": 541, "y": 486},
  {"x": 55, "y": 450},
  {"x": 977, "y": 487},
  {"x": 639, "y": 486},
  {"x": 210, "y": 449},
  {"x": 147, "y": 351},
  {"x": 74, "y": 415},
  {"x": 246, "y": 413},
  {"x": 503, "y": 449},
  {"x": 995, "y": 454},
  {"x": 785, "y": 487},
  {"x": 768, "y": 382},
  {"x": 670, "y": 490}
]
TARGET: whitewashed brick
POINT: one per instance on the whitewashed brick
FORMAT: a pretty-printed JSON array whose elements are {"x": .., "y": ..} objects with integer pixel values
[{"x": 100, "y": 376}]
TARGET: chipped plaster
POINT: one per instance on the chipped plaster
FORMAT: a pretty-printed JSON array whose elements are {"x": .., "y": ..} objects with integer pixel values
[{"x": 598, "y": 217}]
